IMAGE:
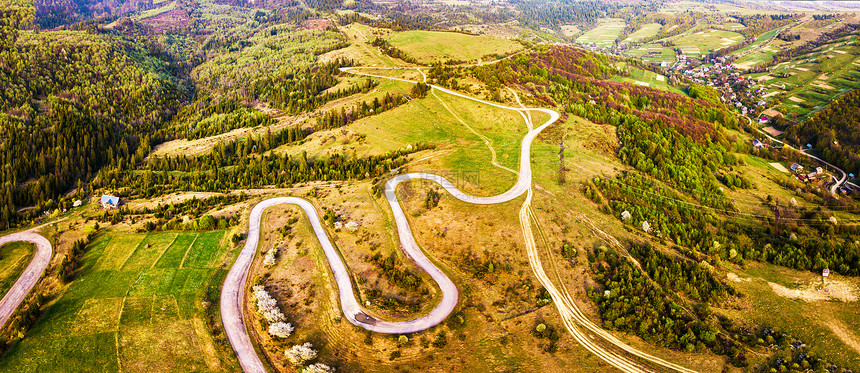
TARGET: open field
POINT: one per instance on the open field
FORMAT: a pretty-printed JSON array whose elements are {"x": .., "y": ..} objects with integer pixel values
[
  {"x": 604, "y": 34},
  {"x": 733, "y": 26},
  {"x": 828, "y": 326},
  {"x": 706, "y": 41},
  {"x": 647, "y": 30},
  {"x": 757, "y": 52},
  {"x": 430, "y": 121},
  {"x": 811, "y": 81},
  {"x": 135, "y": 304},
  {"x": 14, "y": 257},
  {"x": 570, "y": 30},
  {"x": 649, "y": 79},
  {"x": 653, "y": 53},
  {"x": 360, "y": 49},
  {"x": 437, "y": 46}
]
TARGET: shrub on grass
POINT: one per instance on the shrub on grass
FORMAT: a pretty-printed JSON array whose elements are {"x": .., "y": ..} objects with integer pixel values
[{"x": 299, "y": 354}]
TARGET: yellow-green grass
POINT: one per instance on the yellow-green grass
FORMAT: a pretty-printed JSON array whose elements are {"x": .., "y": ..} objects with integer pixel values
[
  {"x": 604, "y": 34},
  {"x": 570, "y": 30},
  {"x": 121, "y": 313},
  {"x": 649, "y": 79},
  {"x": 653, "y": 53},
  {"x": 734, "y": 26},
  {"x": 428, "y": 121},
  {"x": 438, "y": 46},
  {"x": 810, "y": 322},
  {"x": 647, "y": 30},
  {"x": 14, "y": 257},
  {"x": 360, "y": 49},
  {"x": 812, "y": 80},
  {"x": 706, "y": 41},
  {"x": 756, "y": 53},
  {"x": 157, "y": 11}
]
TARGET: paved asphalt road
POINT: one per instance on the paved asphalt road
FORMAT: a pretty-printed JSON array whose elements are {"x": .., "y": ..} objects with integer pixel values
[
  {"x": 31, "y": 274},
  {"x": 232, "y": 292}
]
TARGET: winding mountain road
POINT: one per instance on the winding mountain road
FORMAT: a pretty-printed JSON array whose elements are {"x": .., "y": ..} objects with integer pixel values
[
  {"x": 31, "y": 274},
  {"x": 232, "y": 295}
]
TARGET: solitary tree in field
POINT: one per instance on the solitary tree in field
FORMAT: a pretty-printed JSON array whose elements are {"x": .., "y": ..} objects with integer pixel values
[
  {"x": 318, "y": 368},
  {"x": 299, "y": 354}
]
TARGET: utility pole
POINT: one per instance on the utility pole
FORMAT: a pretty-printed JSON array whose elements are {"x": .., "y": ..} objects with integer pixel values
[{"x": 561, "y": 163}]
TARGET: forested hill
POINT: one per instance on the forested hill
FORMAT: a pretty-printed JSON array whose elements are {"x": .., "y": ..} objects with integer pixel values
[
  {"x": 834, "y": 131},
  {"x": 73, "y": 102}
]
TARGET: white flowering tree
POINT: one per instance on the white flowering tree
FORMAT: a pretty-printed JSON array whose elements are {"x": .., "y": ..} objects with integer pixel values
[
  {"x": 646, "y": 227},
  {"x": 318, "y": 368},
  {"x": 268, "y": 308},
  {"x": 299, "y": 354},
  {"x": 280, "y": 329},
  {"x": 269, "y": 259}
]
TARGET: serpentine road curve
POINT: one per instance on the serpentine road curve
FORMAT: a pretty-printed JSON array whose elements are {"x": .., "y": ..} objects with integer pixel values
[
  {"x": 232, "y": 293},
  {"x": 233, "y": 288},
  {"x": 31, "y": 274}
]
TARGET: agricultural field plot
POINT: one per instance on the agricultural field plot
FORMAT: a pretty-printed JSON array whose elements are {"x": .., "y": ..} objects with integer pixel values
[
  {"x": 706, "y": 41},
  {"x": 157, "y": 11},
  {"x": 570, "y": 31},
  {"x": 653, "y": 53},
  {"x": 137, "y": 303},
  {"x": 733, "y": 26},
  {"x": 647, "y": 30},
  {"x": 756, "y": 53},
  {"x": 811, "y": 81},
  {"x": 647, "y": 78},
  {"x": 438, "y": 46},
  {"x": 14, "y": 257},
  {"x": 604, "y": 34}
]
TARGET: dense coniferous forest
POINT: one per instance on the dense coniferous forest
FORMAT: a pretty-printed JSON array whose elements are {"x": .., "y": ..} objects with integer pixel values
[
  {"x": 834, "y": 132},
  {"x": 74, "y": 102}
]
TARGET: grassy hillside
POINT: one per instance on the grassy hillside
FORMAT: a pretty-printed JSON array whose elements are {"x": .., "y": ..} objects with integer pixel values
[
  {"x": 433, "y": 47},
  {"x": 14, "y": 257},
  {"x": 138, "y": 302}
]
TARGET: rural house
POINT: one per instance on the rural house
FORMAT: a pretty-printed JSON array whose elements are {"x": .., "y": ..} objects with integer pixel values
[{"x": 109, "y": 201}]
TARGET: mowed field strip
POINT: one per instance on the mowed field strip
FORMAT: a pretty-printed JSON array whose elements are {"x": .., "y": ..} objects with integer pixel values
[
  {"x": 431, "y": 46},
  {"x": 136, "y": 305},
  {"x": 604, "y": 34}
]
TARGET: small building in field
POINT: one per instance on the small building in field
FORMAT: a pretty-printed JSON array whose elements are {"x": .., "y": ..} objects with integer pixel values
[
  {"x": 825, "y": 272},
  {"x": 757, "y": 144},
  {"x": 109, "y": 201},
  {"x": 796, "y": 167},
  {"x": 802, "y": 177},
  {"x": 763, "y": 119}
]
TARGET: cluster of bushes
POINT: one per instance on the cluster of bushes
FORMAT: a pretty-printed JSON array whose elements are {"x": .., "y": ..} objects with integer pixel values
[
  {"x": 389, "y": 50},
  {"x": 341, "y": 117},
  {"x": 70, "y": 261},
  {"x": 634, "y": 303}
]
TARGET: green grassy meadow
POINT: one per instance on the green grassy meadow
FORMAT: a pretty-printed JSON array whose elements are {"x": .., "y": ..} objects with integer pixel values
[
  {"x": 136, "y": 304},
  {"x": 14, "y": 257},
  {"x": 707, "y": 41},
  {"x": 604, "y": 34},
  {"x": 437, "y": 46},
  {"x": 653, "y": 53},
  {"x": 811, "y": 322},
  {"x": 647, "y": 30},
  {"x": 811, "y": 81},
  {"x": 649, "y": 79}
]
